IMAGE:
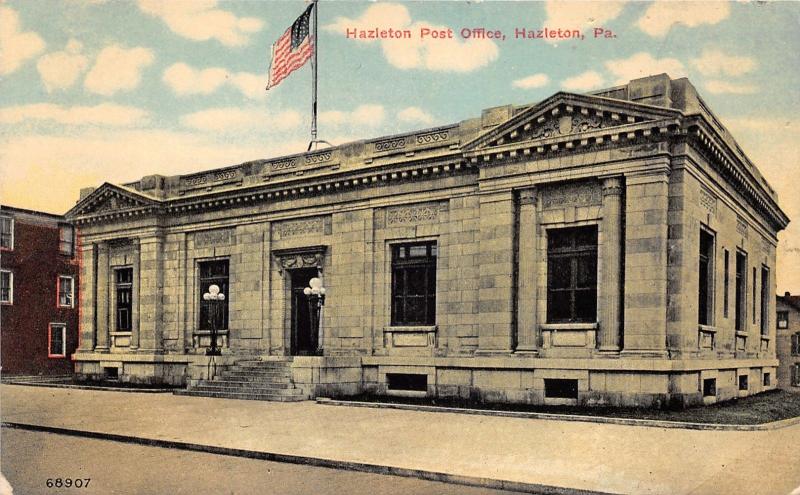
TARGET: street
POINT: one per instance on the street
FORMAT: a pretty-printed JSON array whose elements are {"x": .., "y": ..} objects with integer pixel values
[{"x": 30, "y": 458}]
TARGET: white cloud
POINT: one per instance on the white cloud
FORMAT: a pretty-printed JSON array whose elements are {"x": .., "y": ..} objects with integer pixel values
[
  {"x": 117, "y": 69},
  {"x": 107, "y": 114},
  {"x": 231, "y": 119},
  {"x": 368, "y": 115},
  {"x": 659, "y": 18},
  {"x": 716, "y": 86},
  {"x": 583, "y": 82},
  {"x": 531, "y": 82},
  {"x": 415, "y": 115},
  {"x": 186, "y": 80},
  {"x": 714, "y": 62},
  {"x": 200, "y": 20},
  {"x": 643, "y": 64},
  {"x": 60, "y": 70},
  {"x": 580, "y": 15},
  {"x": 16, "y": 46},
  {"x": 444, "y": 55}
]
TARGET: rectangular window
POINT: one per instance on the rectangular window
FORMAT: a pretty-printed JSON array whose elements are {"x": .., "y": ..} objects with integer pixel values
[
  {"x": 66, "y": 292},
  {"x": 558, "y": 388},
  {"x": 742, "y": 382},
  {"x": 783, "y": 319},
  {"x": 725, "y": 295},
  {"x": 66, "y": 239},
  {"x": 764, "y": 300},
  {"x": 741, "y": 290},
  {"x": 767, "y": 379},
  {"x": 6, "y": 232},
  {"x": 796, "y": 375},
  {"x": 57, "y": 340},
  {"x": 407, "y": 381},
  {"x": 709, "y": 387},
  {"x": 572, "y": 275},
  {"x": 124, "y": 289},
  {"x": 705, "y": 303},
  {"x": 6, "y": 287},
  {"x": 214, "y": 314},
  {"x": 414, "y": 284},
  {"x": 796, "y": 344}
]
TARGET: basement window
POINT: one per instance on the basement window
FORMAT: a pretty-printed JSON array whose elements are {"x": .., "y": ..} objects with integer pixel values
[
  {"x": 407, "y": 381},
  {"x": 558, "y": 388},
  {"x": 112, "y": 373},
  {"x": 710, "y": 387},
  {"x": 767, "y": 380},
  {"x": 742, "y": 382}
]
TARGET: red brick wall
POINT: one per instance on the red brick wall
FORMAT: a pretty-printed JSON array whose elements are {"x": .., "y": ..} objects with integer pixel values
[{"x": 36, "y": 264}]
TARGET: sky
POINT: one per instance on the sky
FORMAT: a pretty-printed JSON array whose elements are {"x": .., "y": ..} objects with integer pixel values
[{"x": 96, "y": 90}]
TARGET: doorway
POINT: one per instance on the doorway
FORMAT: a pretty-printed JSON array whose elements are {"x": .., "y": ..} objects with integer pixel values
[{"x": 303, "y": 337}]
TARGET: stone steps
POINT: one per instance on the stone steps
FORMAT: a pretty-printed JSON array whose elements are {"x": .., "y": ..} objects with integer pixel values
[
  {"x": 243, "y": 396},
  {"x": 251, "y": 380}
]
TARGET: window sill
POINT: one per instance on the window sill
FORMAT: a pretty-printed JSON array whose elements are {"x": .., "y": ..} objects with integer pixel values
[
  {"x": 208, "y": 332},
  {"x": 740, "y": 333},
  {"x": 125, "y": 333},
  {"x": 707, "y": 328},
  {"x": 569, "y": 326},
  {"x": 413, "y": 329},
  {"x": 56, "y": 356}
]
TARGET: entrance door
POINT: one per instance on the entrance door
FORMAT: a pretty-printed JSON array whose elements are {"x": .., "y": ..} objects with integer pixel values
[{"x": 304, "y": 338}]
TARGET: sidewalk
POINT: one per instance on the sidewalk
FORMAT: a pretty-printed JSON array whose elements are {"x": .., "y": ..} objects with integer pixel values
[{"x": 527, "y": 452}]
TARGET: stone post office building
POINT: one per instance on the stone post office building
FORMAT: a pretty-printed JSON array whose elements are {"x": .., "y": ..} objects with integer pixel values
[{"x": 610, "y": 248}]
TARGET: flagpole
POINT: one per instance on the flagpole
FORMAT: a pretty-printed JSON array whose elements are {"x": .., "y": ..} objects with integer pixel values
[{"x": 314, "y": 80}]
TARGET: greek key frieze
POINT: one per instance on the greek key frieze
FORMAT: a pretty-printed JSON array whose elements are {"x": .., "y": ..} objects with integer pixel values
[
  {"x": 283, "y": 165},
  {"x": 390, "y": 144},
  {"x": 318, "y": 158},
  {"x": 218, "y": 237},
  {"x": 412, "y": 215},
  {"x": 225, "y": 175},
  {"x": 571, "y": 195},
  {"x": 708, "y": 201},
  {"x": 293, "y": 228},
  {"x": 741, "y": 226},
  {"x": 432, "y": 137}
]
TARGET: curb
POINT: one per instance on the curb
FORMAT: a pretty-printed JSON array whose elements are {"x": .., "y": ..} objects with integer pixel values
[
  {"x": 652, "y": 423},
  {"x": 90, "y": 387},
  {"x": 516, "y": 486}
]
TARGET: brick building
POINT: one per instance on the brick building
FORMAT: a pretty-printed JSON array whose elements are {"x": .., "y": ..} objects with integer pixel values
[
  {"x": 38, "y": 293},
  {"x": 610, "y": 248},
  {"x": 787, "y": 344}
]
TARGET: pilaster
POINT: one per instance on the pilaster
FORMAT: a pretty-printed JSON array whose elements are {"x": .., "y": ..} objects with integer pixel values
[
  {"x": 611, "y": 288},
  {"x": 102, "y": 285},
  {"x": 151, "y": 276},
  {"x": 527, "y": 318},
  {"x": 88, "y": 286},
  {"x": 495, "y": 296},
  {"x": 135, "y": 296},
  {"x": 645, "y": 299}
]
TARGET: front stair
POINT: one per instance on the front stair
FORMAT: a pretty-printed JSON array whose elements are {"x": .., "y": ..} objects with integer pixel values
[{"x": 251, "y": 380}]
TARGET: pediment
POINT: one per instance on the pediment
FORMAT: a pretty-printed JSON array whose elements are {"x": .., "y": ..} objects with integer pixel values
[
  {"x": 110, "y": 198},
  {"x": 566, "y": 114}
]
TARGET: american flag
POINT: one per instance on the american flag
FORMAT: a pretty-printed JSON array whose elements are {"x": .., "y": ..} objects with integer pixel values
[{"x": 292, "y": 49}]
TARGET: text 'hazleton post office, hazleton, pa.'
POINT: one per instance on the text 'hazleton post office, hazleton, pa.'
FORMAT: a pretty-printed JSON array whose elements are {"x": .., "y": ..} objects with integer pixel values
[{"x": 615, "y": 248}]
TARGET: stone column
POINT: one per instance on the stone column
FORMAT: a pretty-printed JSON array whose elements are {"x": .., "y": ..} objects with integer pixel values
[
  {"x": 135, "y": 297},
  {"x": 103, "y": 296},
  {"x": 496, "y": 258},
  {"x": 151, "y": 276},
  {"x": 645, "y": 301},
  {"x": 527, "y": 322},
  {"x": 88, "y": 285},
  {"x": 611, "y": 311}
]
